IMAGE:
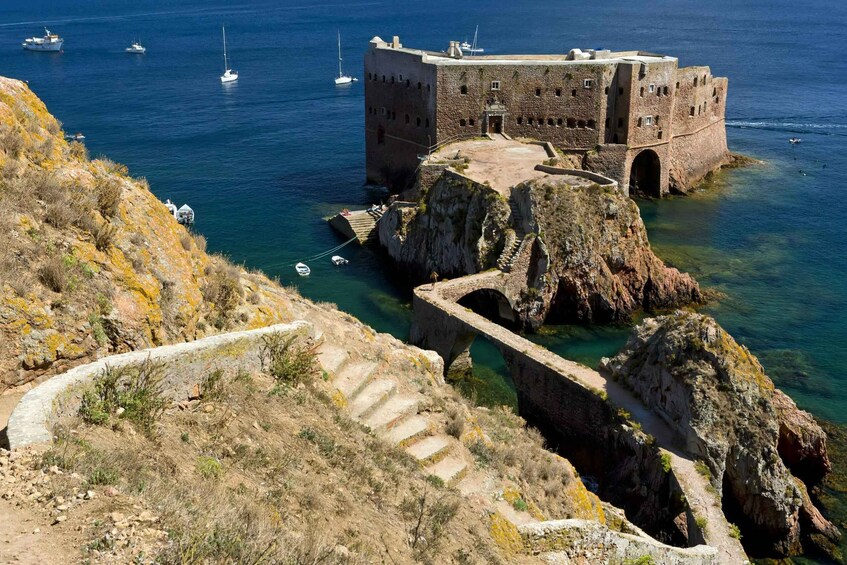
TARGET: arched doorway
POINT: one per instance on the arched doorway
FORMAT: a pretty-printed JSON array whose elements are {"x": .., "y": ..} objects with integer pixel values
[{"x": 645, "y": 175}]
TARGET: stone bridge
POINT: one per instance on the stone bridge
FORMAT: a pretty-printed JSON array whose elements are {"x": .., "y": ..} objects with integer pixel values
[{"x": 581, "y": 409}]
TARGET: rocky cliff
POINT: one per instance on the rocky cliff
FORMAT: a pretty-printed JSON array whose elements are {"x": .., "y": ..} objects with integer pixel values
[
  {"x": 591, "y": 261},
  {"x": 93, "y": 262},
  {"x": 749, "y": 435}
]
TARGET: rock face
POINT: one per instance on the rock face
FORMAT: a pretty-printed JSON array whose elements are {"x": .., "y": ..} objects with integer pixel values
[
  {"x": 601, "y": 267},
  {"x": 716, "y": 395},
  {"x": 591, "y": 261},
  {"x": 92, "y": 261},
  {"x": 458, "y": 228}
]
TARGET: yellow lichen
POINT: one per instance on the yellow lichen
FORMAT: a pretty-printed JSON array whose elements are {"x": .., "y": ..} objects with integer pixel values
[{"x": 506, "y": 535}]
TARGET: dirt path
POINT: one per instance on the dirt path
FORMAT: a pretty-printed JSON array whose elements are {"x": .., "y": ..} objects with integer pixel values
[{"x": 28, "y": 537}]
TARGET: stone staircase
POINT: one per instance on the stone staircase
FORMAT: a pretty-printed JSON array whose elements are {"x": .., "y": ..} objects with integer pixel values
[
  {"x": 513, "y": 244},
  {"x": 394, "y": 414}
]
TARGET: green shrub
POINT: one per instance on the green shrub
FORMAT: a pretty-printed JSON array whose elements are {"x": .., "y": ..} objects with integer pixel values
[
  {"x": 734, "y": 531},
  {"x": 520, "y": 505},
  {"x": 703, "y": 469},
  {"x": 701, "y": 522},
  {"x": 209, "y": 467},
  {"x": 212, "y": 385},
  {"x": 287, "y": 360},
  {"x": 103, "y": 476},
  {"x": 666, "y": 462},
  {"x": 136, "y": 389}
]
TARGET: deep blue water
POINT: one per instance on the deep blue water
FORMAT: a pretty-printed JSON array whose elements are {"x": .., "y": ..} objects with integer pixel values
[{"x": 262, "y": 161}]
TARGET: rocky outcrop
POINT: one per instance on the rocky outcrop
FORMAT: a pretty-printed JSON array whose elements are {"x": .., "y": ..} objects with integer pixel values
[
  {"x": 92, "y": 261},
  {"x": 716, "y": 395},
  {"x": 601, "y": 267},
  {"x": 458, "y": 228}
]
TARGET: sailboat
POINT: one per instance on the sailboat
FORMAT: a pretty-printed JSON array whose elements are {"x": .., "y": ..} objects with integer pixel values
[
  {"x": 229, "y": 75},
  {"x": 472, "y": 47},
  {"x": 342, "y": 78}
]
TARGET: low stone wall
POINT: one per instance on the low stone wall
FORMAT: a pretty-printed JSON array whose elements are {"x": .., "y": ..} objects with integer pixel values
[
  {"x": 185, "y": 364},
  {"x": 593, "y": 177},
  {"x": 575, "y": 539}
]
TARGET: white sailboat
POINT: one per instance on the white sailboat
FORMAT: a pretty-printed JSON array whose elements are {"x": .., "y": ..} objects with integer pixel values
[
  {"x": 342, "y": 78},
  {"x": 472, "y": 47},
  {"x": 229, "y": 75}
]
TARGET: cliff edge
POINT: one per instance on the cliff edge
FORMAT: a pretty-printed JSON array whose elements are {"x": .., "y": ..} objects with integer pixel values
[{"x": 763, "y": 454}]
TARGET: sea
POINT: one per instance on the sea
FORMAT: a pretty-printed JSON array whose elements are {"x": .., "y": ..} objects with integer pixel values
[{"x": 264, "y": 160}]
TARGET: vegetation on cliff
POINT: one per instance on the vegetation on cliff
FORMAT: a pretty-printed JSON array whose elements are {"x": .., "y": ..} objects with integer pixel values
[
  {"x": 749, "y": 435},
  {"x": 93, "y": 262}
]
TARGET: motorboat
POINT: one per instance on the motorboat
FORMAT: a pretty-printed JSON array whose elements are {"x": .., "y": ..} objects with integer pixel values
[
  {"x": 136, "y": 48},
  {"x": 339, "y": 260},
  {"x": 795, "y": 140},
  {"x": 302, "y": 269},
  {"x": 185, "y": 215},
  {"x": 229, "y": 75},
  {"x": 50, "y": 42},
  {"x": 342, "y": 78},
  {"x": 75, "y": 137},
  {"x": 472, "y": 48}
]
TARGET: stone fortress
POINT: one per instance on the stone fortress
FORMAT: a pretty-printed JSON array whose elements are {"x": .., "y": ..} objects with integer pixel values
[{"x": 633, "y": 116}]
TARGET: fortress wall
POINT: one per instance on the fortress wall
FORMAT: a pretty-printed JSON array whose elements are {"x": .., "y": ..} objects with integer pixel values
[
  {"x": 657, "y": 105},
  {"x": 694, "y": 156},
  {"x": 399, "y": 114},
  {"x": 700, "y": 98},
  {"x": 562, "y": 95}
]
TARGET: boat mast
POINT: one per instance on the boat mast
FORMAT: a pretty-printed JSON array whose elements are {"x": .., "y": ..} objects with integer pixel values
[
  {"x": 226, "y": 66},
  {"x": 340, "y": 74},
  {"x": 473, "y": 47}
]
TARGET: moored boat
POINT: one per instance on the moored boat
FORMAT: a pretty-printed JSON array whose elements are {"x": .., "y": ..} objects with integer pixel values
[
  {"x": 50, "y": 42},
  {"x": 302, "y": 269},
  {"x": 339, "y": 260},
  {"x": 342, "y": 78},
  {"x": 229, "y": 75},
  {"x": 136, "y": 48}
]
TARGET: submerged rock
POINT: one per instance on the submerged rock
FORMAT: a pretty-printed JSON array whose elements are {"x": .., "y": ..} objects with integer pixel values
[{"x": 716, "y": 395}]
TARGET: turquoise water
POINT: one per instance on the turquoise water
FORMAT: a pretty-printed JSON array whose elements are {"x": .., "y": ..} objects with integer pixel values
[{"x": 261, "y": 161}]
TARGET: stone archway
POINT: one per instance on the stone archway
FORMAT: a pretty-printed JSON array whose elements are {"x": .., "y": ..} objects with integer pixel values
[
  {"x": 491, "y": 304},
  {"x": 645, "y": 175}
]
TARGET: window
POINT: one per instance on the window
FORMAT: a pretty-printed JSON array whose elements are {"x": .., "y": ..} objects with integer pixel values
[
  {"x": 559, "y": 122},
  {"x": 462, "y": 122},
  {"x": 549, "y": 121},
  {"x": 656, "y": 120},
  {"x": 529, "y": 121},
  {"x": 392, "y": 79},
  {"x": 427, "y": 88},
  {"x": 714, "y": 92},
  {"x": 641, "y": 92},
  {"x": 418, "y": 122},
  {"x": 573, "y": 92},
  {"x": 383, "y": 78},
  {"x": 537, "y": 92},
  {"x": 495, "y": 85},
  {"x": 370, "y": 110},
  {"x": 427, "y": 122},
  {"x": 606, "y": 91},
  {"x": 665, "y": 90},
  {"x": 580, "y": 124},
  {"x": 677, "y": 86},
  {"x": 695, "y": 81},
  {"x": 407, "y": 118},
  {"x": 691, "y": 112},
  {"x": 587, "y": 83},
  {"x": 704, "y": 80},
  {"x": 648, "y": 121},
  {"x": 419, "y": 86},
  {"x": 660, "y": 134},
  {"x": 408, "y": 83},
  {"x": 471, "y": 122},
  {"x": 651, "y": 88},
  {"x": 704, "y": 106},
  {"x": 519, "y": 121},
  {"x": 639, "y": 122},
  {"x": 571, "y": 123},
  {"x": 558, "y": 92},
  {"x": 591, "y": 124},
  {"x": 369, "y": 76},
  {"x": 401, "y": 77},
  {"x": 464, "y": 89}
]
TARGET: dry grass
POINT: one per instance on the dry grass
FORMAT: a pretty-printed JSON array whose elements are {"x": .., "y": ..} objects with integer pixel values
[
  {"x": 223, "y": 289},
  {"x": 108, "y": 191},
  {"x": 53, "y": 274}
]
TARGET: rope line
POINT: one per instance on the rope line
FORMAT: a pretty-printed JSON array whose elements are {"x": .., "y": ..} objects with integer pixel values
[{"x": 322, "y": 254}]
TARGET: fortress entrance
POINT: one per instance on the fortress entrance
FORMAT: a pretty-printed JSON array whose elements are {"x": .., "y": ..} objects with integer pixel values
[
  {"x": 495, "y": 124},
  {"x": 645, "y": 175}
]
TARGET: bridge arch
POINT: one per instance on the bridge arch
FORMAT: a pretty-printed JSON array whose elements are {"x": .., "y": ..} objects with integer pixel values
[
  {"x": 645, "y": 174},
  {"x": 492, "y": 304}
]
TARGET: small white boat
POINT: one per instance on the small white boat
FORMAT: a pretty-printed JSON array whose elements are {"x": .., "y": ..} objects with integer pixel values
[
  {"x": 302, "y": 269},
  {"x": 229, "y": 75},
  {"x": 795, "y": 140},
  {"x": 50, "y": 42},
  {"x": 472, "y": 48},
  {"x": 75, "y": 137},
  {"x": 185, "y": 215},
  {"x": 342, "y": 78},
  {"x": 339, "y": 260},
  {"x": 136, "y": 48}
]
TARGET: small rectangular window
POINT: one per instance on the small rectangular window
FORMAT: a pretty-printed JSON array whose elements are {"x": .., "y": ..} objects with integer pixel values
[
  {"x": 587, "y": 83},
  {"x": 652, "y": 88},
  {"x": 648, "y": 120},
  {"x": 537, "y": 92},
  {"x": 495, "y": 85}
]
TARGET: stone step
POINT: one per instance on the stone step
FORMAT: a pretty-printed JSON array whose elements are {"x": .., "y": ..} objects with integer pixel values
[
  {"x": 407, "y": 431},
  {"x": 392, "y": 412},
  {"x": 451, "y": 469},
  {"x": 354, "y": 377},
  {"x": 371, "y": 397},
  {"x": 431, "y": 449},
  {"x": 331, "y": 358}
]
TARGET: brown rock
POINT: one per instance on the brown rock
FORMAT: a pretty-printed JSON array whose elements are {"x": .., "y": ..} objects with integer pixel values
[
  {"x": 195, "y": 392},
  {"x": 802, "y": 442}
]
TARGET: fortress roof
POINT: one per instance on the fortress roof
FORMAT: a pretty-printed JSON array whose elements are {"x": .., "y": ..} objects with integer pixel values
[{"x": 454, "y": 56}]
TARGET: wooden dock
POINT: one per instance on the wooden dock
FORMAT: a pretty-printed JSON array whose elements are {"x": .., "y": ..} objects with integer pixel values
[{"x": 360, "y": 224}]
